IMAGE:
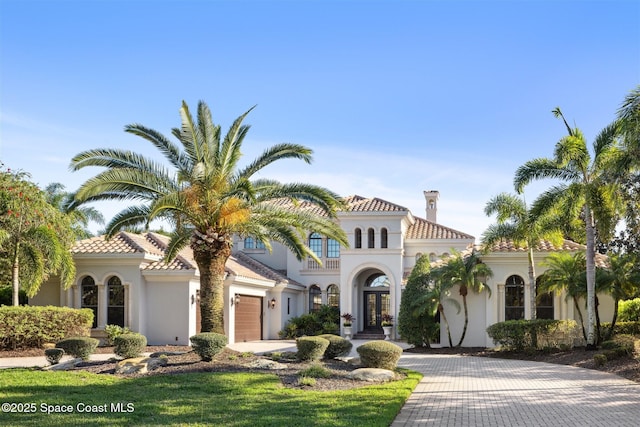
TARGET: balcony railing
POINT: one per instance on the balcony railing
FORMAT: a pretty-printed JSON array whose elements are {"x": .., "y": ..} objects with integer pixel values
[{"x": 327, "y": 264}]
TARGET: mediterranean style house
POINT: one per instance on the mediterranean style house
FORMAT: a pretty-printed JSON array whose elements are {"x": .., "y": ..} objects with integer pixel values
[{"x": 125, "y": 281}]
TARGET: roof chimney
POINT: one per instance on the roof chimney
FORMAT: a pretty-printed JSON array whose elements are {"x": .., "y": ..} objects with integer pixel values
[{"x": 431, "y": 198}]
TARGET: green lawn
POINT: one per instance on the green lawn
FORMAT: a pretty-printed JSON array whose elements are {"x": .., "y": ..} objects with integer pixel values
[{"x": 222, "y": 399}]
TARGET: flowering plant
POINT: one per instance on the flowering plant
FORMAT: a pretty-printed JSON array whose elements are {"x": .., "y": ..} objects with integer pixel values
[
  {"x": 348, "y": 318},
  {"x": 387, "y": 320}
]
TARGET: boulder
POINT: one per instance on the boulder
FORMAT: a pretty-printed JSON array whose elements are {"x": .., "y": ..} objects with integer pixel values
[
  {"x": 372, "y": 374},
  {"x": 64, "y": 366},
  {"x": 139, "y": 365},
  {"x": 266, "y": 364}
]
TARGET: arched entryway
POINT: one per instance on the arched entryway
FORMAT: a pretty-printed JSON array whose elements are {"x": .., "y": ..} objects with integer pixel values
[{"x": 376, "y": 301}]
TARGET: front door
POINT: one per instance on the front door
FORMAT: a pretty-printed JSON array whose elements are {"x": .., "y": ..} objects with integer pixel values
[{"x": 375, "y": 305}]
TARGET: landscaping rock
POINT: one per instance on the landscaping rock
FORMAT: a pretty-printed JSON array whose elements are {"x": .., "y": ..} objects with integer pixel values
[
  {"x": 372, "y": 374},
  {"x": 139, "y": 365},
  {"x": 64, "y": 366},
  {"x": 266, "y": 364}
]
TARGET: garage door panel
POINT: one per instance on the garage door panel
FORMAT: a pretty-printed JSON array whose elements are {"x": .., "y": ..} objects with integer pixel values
[{"x": 248, "y": 319}]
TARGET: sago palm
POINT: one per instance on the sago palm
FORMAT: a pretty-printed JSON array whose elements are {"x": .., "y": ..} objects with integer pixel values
[
  {"x": 583, "y": 192},
  {"x": 466, "y": 271},
  {"x": 516, "y": 223},
  {"x": 209, "y": 198}
]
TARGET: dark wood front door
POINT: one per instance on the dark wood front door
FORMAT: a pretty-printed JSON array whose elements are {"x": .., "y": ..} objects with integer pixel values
[{"x": 375, "y": 305}]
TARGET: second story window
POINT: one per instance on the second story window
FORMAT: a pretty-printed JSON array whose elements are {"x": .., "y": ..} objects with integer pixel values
[
  {"x": 358, "y": 239},
  {"x": 251, "y": 243},
  {"x": 371, "y": 239},
  {"x": 384, "y": 239},
  {"x": 333, "y": 248},
  {"x": 315, "y": 244}
]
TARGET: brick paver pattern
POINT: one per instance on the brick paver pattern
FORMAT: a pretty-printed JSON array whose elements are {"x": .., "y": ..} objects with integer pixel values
[{"x": 476, "y": 391}]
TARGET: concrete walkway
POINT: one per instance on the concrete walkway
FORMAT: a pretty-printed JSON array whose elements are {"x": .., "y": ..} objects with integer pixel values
[{"x": 465, "y": 391}]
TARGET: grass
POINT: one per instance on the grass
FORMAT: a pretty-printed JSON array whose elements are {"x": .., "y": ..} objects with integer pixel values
[{"x": 229, "y": 399}]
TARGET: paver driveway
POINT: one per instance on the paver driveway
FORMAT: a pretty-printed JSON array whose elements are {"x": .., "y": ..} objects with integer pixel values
[{"x": 478, "y": 391}]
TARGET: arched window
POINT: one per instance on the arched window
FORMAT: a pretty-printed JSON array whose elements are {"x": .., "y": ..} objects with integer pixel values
[
  {"x": 377, "y": 280},
  {"x": 432, "y": 257},
  {"x": 333, "y": 248},
  {"x": 371, "y": 239},
  {"x": 514, "y": 298},
  {"x": 115, "y": 307},
  {"x": 333, "y": 296},
  {"x": 418, "y": 255},
  {"x": 384, "y": 238},
  {"x": 89, "y": 297},
  {"x": 315, "y": 298},
  {"x": 544, "y": 303},
  {"x": 358, "y": 238},
  {"x": 315, "y": 243}
]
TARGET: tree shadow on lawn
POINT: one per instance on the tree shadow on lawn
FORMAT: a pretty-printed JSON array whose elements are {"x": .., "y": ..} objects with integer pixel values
[{"x": 230, "y": 399}]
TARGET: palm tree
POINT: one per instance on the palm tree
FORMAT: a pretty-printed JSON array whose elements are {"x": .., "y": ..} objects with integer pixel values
[
  {"x": 566, "y": 273},
  {"x": 438, "y": 294},
  {"x": 583, "y": 192},
  {"x": 209, "y": 198},
  {"x": 618, "y": 280},
  {"x": 515, "y": 223},
  {"x": 466, "y": 271},
  {"x": 80, "y": 216}
]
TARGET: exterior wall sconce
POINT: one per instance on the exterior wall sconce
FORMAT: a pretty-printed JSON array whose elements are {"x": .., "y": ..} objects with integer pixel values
[
  {"x": 193, "y": 299},
  {"x": 272, "y": 303},
  {"x": 236, "y": 299}
]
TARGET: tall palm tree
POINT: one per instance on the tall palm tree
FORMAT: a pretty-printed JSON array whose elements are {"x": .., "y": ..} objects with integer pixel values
[
  {"x": 566, "y": 273},
  {"x": 584, "y": 191},
  {"x": 438, "y": 293},
  {"x": 80, "y": 216},
  {"x": 516, "y": 223},
  {"x": 466, "y": 271},
  {"x": 209, "y": 197}
]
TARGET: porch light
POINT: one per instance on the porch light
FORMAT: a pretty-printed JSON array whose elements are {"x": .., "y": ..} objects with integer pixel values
[
  {"x": 236, "y": 299},
  {"x": 272, "y": 303}
]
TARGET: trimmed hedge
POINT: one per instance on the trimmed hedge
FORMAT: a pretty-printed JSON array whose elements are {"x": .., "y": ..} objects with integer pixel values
[
  {"x": 629, "y": 310},
  {"x": 519, "y": 335},
  {"x": 129, "y": 345},
  {"x": 33, "y": 326},
  {"x": 81, "y": 347},
  {"x": 626, "y": 328},
  {"x": 379, "y": 354},
  {"x": 311, "y": 348},
  {"x": 338, "y": 346},
  {"x": 208, "y": 344},
  {"x": 114, "y": 331},
  {"x": 54, "y": 355}
]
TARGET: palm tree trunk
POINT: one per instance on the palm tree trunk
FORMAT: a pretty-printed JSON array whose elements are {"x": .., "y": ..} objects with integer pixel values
[
  {"x": 614, "y": 320},
  {"x": 466, "y": 319},
  {"x": 591, "y": 279},
  {"x": 446, "y": 323},
  {"x": 532, "y": 282},
  {"x": 212, "y": 272},
  {"x": 598, "y": 334},
  {"x": 584, "y": 332},
  {"x": 15, "y": 277}
]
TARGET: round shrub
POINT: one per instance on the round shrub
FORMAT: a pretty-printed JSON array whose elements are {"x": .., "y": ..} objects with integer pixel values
[
  {"x": 208, "y": 344},
  {"x": 129, "y": 345},
  {"x": 379, "y": 354},
  {"x": 338, "y": 346},
  {"x": 311, "y": 348},
  {"x": 81, "y": 347},
  {"x": 629, "y": 310},
  {"x": 54, "y": 355}
]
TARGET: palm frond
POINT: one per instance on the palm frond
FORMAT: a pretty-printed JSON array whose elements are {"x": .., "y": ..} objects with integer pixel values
[
  {"x": 178, "y": 240},
  {"x": 133, "y": 216},
  {"x": 170, "y": 150},
  {"x": 277, "y": 152},
  {"x": 541, "y": 168}
]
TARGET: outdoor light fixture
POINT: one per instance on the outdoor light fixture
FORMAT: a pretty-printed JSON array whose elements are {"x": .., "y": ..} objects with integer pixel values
[
  {"x": 193, "y": 299},
  {"x": 272, "y": 303},
  {"x": 236, "y": 299}
]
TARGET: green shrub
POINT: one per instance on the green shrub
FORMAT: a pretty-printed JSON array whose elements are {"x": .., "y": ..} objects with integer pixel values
[
  {"x": 315, "y": 371},
  {"x": 81, "y": 347},
  {"x": 338, "y": 346},
  {"x": 311, "y": 348},
  {"x": 129, "y": 345},
  {"x": 114, "y": 331},
  {"x": 208, "y": 344},
  {"x": 600, "y": 359},
  {"x": 32, "y": 326},
  {"x": 630, "y": 328},
  {"x": 379, "y": 354},
  {"x": 629, "y": 310},
  {"x": 6, "y": 296},
  {"x": 308, "y": 381},
  {"x": 324, "y": 321},
  {"x": 54, "y": 355},
  {"x": 623, "y": 345},
  {"x": 521, "y": 335}
]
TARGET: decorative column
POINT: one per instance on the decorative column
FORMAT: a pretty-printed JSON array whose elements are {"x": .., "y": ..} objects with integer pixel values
[
  {"x": 501, "y": 302},
  {"x": 127, "y": 305},
  {"x": 103, "y": 302}
]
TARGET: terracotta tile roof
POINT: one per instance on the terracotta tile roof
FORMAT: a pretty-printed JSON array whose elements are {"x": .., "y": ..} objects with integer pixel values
[
  {"x": 243, "y": 265},
  {"x": 357, "y": 203},
  {"x": 547, "y": 246},
  {"x": 424, "y": 229},
  {"x": 122, "y": 242}
]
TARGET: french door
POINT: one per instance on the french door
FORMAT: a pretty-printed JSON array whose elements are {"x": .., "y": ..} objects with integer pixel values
[{"x": 375, "y": 305}]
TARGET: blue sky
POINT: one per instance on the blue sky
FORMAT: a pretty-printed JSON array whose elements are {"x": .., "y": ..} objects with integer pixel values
[{"x": 393, "y": 97}]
